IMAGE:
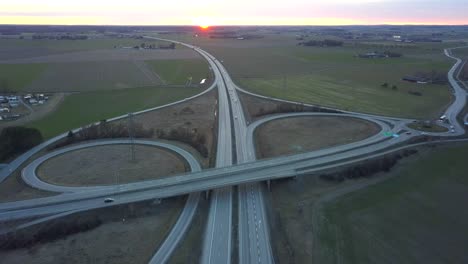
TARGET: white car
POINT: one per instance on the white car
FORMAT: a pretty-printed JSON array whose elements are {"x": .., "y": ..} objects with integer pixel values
[
  {"x": 109, "y": 200},
  {"x": 452, "y": 131}
]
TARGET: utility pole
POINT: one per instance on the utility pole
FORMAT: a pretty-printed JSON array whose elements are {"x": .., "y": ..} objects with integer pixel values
[{"x": 130, "y": 135}]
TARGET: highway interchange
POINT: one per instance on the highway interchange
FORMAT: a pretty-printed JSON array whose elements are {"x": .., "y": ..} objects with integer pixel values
[{"x": 235, "y": 166}]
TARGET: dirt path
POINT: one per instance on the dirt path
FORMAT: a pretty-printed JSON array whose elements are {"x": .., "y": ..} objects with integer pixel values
[{"x": 152, "y": 76}]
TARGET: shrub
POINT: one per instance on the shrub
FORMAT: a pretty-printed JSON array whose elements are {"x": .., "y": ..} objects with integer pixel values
[
  {"x": 104, "y": 130},
  {"x": 187, "y": 136},
  {"x": 369, "y": 168},
  {"x": 415, "y": 93}
]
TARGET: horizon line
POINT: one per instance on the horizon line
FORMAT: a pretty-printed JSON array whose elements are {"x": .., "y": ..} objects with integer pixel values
[{"x": 234, "y": 25}]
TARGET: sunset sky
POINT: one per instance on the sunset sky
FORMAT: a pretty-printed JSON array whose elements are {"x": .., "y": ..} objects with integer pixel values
[{"x": 233, "y": 12}]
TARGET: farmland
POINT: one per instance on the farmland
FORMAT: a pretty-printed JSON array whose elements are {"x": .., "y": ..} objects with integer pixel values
[
  {"x": 463, "y": 52},
  {"x": 101, "y": 70},
  {"x": 100, "y": 74},
  {"x": 16, "y": 76},
  {"x": 18, "y": 48},
  {"x": 336, "y": 77},
  {"x": 89, "y": 76}
]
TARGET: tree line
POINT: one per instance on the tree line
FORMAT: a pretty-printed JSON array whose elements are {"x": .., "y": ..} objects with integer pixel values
[
  {"x": 322, "y": 43},
  {"x": 188, "y": 136},
  {"x": 292, "y": 108},
  {"x": 369, "y": 168},
  {"x": 16, "y": 140}
]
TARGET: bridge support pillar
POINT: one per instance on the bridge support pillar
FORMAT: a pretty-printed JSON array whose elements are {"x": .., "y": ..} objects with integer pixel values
[
  {"x": 207, "y": 194},
  {"x": 269, "y": 185}
]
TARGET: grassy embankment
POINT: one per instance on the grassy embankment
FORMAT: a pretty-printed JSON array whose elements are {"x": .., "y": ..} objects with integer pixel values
[
  {"x": 412, "y": 216},
  {"x": 84, "y": 108}
]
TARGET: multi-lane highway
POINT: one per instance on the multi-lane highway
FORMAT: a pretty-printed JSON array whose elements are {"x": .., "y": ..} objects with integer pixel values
[
  {"x": 253, "y": 233},
  {"x": 217, "y": 241},
  {"x": 253, "y": 228}
]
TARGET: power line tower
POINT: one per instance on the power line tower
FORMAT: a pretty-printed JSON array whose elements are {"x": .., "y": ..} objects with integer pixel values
[{"x": 131, "y": 135}]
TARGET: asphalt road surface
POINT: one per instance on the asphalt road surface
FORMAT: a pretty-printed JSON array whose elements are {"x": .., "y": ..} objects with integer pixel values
[{"x": 218, "y": 233}]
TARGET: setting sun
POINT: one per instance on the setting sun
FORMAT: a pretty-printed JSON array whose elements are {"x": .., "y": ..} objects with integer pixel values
[{"x": 203, "y": 22}]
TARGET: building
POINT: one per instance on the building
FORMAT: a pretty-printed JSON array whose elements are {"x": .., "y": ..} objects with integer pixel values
[{"x": 13, "y": 101}]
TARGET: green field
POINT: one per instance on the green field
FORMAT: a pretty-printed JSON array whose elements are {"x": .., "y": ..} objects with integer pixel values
[
  {"x": 462, "y": 53},
  {"x": 335, "y": 77},
  {"x": 89, "y": 76},
  {"x": 17, "y": 48},
  {"x": 13, "y": 77},
  {"x": 87, "y": 107},
  {"x": 177, "y": 72},
  {"x": 417, "y": 216}
]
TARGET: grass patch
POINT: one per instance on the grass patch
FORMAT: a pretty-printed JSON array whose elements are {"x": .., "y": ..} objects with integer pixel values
[
  {"x": 84, "y": 108},
  {"x": 178, "y": 72},
  {"x": 461, "y": 53},
  {"x": 14, "y": 77},
  {"x": 413, "y": 217},
  {"x": 311, "y": 133},
  {"x": 433, "y": 127}
]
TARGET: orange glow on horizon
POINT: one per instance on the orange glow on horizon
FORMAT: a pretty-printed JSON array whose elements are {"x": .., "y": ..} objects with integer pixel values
[{"x": 204, "y": 27}]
